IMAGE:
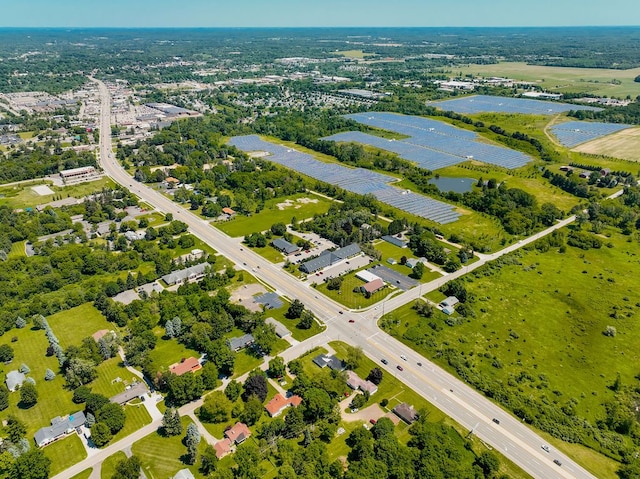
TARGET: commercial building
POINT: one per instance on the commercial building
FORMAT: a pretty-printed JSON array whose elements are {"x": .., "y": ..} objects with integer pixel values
[
  {"x": 285, "y": 246},
  {"x": 193, "y": 273},
  {"x": 327, "y": 258}
]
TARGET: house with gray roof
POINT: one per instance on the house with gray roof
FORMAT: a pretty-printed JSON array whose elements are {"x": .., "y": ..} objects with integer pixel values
[
  {"x": 331, "y": 362},
  {"x": 395, "y": 241},
  {"x": 60, "y": 427},
  {"x": 281, "y": 329},
  {"x": 406, "y": 412},
  {"x": 284, "y": 246},
  {"x": 193, "y": 273},
  {"x": 14, "y": 380},
  {"x": 241, "y": 342},
  {"x": 327, "y": 258},
  {"x": 132, "y": 392}
]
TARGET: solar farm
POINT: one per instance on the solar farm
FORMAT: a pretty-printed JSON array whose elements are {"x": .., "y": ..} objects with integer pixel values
[
  {"x": 355, "y": 180},
  {"x": 573, "y": 133},
  {"x": 432, "y": 144},
  {"x": 499, "y": 104}
]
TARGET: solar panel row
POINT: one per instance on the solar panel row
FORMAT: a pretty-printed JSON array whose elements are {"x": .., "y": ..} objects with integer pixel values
[
  {"x": 499, "y": 104},
  {"x": 432, "y": 144},
  {"x": 573, "y": 133},
  {"x": 355, "y": 180}
]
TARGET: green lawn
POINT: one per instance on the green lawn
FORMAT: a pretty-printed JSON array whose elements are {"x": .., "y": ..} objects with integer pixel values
[
  {"x": 161, "y": 456},
  {"x": 30, "y": 348},
  {"x": 108, "y": 468},
  {"x": 73, "y": 325},
  {"x": 22, "y": 196},
  {"x": 169, "y": 351},
  {"x": 244, "y": 225},
  {"x": 270, "y": 254},
  {"x": 389, "y": 250},
  {"x": 137, "y": 417},
  {"x": 112, "y": 377},
  {"x": 543, "y": 315},
  {"x": 347, "y": 297},
  {"x": 297, "y": 333},
  {"x": 65, "y": 453},
  {"x": 17, "y": 250},
  {"x": 84, "y": 474}
]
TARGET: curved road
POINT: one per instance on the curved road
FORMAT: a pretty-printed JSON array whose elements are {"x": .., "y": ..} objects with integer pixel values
[{"x": 471, "y": 409}]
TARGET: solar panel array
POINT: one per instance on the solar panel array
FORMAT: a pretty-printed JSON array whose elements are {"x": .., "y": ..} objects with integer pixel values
[
  {"x": 355, "y": 180},
  {"x": 432, "y": 144},
  {"x": 573, "y": 133},
  {"x": 499, "y": 104}
]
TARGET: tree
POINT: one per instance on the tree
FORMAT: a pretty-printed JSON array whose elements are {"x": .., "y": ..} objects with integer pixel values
[
  {"x": 294, "y": 423},
  {"x": 248, "y": 459},
  {"x": 28, "y": 395},
  {"x": 113, "y": 416},
  {"x": 233, "y": 390},
  {"x": 95, "y": 402},
  {"x": 317, "y": 404},
  {"x": 255, "y": 385},
  {"x": 49, "y": 375},
  {"x": 488, "y": 462},
  {"x": 216, "y": 408},
  {"x": 209, "y": 375},
  {"x": 183, "y": 389},
  {"x": 375, "y": 376},
  {"x": 192, "y": 440},
  {"x": 306, "y": 320},
  {"x": 6, "y": 353},
  {"x": 100, "y": 434},
  {"x": 32, "y": 465},
  {"x": 80, "y": 371},
  {"x": 265, "y": 337},
  {"x": 295, "y": 309},
  {"x": 208, "y": 460},
  {"x": 277, "y": 368},
  {"x": 334, "y": 284},
  {"x": 252, "y": 411},
  {"x": 127, "y": 468},
  {"x": 418, "y": 270},
  {"x": 171, "y": 424},
  {"x": 16, "y": 429},
  {"x": 4, "y": 397},
  {"x": 353, "y": 356}
]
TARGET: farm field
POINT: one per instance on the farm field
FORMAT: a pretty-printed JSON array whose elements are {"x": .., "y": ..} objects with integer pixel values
[
  {"x": 244, "y": 225},
  {"x": 542, "y": 315},
  {"x": 624, "y": 144},
  {"x": 562, "y": 79}
]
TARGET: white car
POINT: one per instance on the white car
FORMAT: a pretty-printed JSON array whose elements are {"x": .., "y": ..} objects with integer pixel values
[
  {"x": 545, "y": 448},
  {"x": 403, "y": 357}
]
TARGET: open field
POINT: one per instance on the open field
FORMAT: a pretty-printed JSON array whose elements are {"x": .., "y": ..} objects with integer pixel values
[
  {"x": 112, "y": 377},
  {"x": 348, "y": 298},
  {"x": 624, "y": 144},
  {"x": 73, "y": 325},
  {"x": 354, "y": 54},
  {"x": 562, "y": 79},
  {"x": 161, "y": 456},
  {"x": 244, "y": 225},
  {"x": 22, "y": 196},
  {"x": 65, "y": 453},
  {"x": 137, "y": 417},
  {"x": 109, "y": 464},
  {"x": 169, "y": 351},
  {"x": 543, "y": 314}
]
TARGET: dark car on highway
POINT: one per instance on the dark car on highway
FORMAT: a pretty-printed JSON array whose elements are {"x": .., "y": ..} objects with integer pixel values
[{"x": 399, "y": 368}]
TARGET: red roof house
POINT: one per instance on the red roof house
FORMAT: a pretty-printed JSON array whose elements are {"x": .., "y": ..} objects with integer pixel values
[
  {"x": 279, "y": 403},
  {"x": 186, "y": 365},
  {"x": 238, "y": 433},
  {"x": 222, "y": 448}
]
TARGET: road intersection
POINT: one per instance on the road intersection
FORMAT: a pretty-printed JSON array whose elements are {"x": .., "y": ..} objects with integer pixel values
[{"x": 469, "y": 408}]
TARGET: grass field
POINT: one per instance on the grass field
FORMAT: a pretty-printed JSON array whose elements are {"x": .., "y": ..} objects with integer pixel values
[
  {"x": 169, "y": 351},
  {"x": 290, "y": 324},
  {"x": 624, "y": 144},
  {"x": 161, "y": 456},
  {"x": 137, "y": 417},
  {"x": 348, "y": 298},
  {"x": 244, "y": 225},
  {"x": 354, "y": 54},
  {"x": 108, "y": 468},
  {"x": 73, "y": 325},
  {"x": 17, "y": 250},
  {"x": 22, "y": 196},
  {"x": 546, "y": 313},
  {"x": 65, "y": 453},
  {"x": 30, "y": 349},
  {"x": 84, "y": 474},
  {"x": 598, "y": 81},
  {"x": 107, "y": 382}
]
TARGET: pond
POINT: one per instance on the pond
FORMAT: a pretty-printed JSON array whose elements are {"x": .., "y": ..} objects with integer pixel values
[{"x": 459, "y": 185}]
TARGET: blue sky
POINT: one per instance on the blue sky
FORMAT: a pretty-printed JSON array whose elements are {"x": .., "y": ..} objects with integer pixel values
[{"x": 309, "y": 13}]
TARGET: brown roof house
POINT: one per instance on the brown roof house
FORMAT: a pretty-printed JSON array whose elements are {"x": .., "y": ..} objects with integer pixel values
[
  {"x": 238, "y": 433},
  {"x": 186, "y": 365},
  {"x": 279, "y": 403},
  {"x": 406, "y": 412},
  {"x": 223, "y": 447}
]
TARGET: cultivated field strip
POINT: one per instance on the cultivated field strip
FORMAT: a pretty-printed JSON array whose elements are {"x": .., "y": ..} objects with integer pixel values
[
  {"x": 573, "y": 133},
  {"x": 499, "y": 104},
  {"x": 355, "y": 180},
  {"x": 432, "y": 144}
]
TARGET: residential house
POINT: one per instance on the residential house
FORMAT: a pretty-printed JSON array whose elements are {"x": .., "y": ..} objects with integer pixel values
[
  {"x": 372, "y": 286},
  {"x": 395, "y": 241},
  {"x": 238, "y": 433},
  {"x": 193, "y": 273},
  {"x": 133, "y": 391},
  {"x": 279, "y": 403},
  {"x": 60, "y": 427},
  {"x": 240, "y": 342},
  {"x": 187, "y": 365},
  {"x": 223, "y": 447},
  {"x": 332, "y": 362},
  {"x": 450, "y": 302},
  {"x": 356, "y": 382},
  {"x": 281, "y": 329},
  {"x": 406, "y": 412}
]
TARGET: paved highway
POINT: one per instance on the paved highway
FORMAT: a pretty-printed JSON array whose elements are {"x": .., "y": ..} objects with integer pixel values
[{"x": 472, "y": 410}]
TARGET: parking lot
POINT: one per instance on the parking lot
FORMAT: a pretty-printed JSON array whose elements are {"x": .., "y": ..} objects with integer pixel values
[{"x": 393, "y": 277}]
